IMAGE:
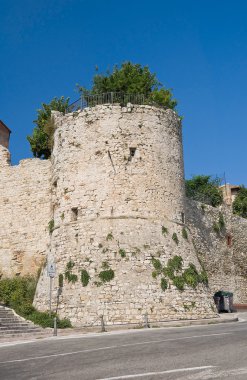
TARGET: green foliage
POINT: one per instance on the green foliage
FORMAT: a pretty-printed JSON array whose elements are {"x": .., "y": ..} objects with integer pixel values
[
  {"x": 205, "y": 189},
  {"x": 70, "y": 265},
  {"x": 51, "y": 226},
  {"x": 175, "y": 237},
  {"x": 109, "y": 236},
  {"x": 176, "y": 263},
  {"x": 216, "y": 227},
  {"x": 163, "y": 284},
  {"x": 70, "y": 277},
  {"x": 41, "y": 141},
  {"x": 18, "y": 293},
  {"x": 60, "y": 280},
  {"x": 45, "y": 320},
  {"x": 162, "y": 97},
  {"x": 106, "y": 275},
  {"x": 221, "y": 221},
  {"x": 168, "y": 272},
  {"x": 164, "y": 230},
  {"x": 154, "y": 274},
  {"x": 122, "y": 252},
  {"x": 132, "y": 78},
  {"x": 18, "y": 290},
  {"x": 179, "y": 282},
  {"x": 239, "y": 205},
  {"x": 191, "y": 276},
  {"x": 203, "y": 277},
  {"x": 185, "y": 233},
  {"x": 156, "y": 264},
  {"x": 84, "y": 277},
  {"x": 173, "y": 265}
]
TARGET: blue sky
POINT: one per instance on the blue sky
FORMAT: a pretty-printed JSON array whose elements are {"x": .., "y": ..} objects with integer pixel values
[{"x": 196, "y": 47}]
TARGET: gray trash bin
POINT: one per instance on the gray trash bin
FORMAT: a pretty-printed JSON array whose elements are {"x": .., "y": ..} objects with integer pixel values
[{"x": 224, "y": 301}]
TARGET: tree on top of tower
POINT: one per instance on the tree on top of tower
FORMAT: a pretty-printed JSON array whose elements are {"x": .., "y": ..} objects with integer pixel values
[{"x": 132, "y": 78}]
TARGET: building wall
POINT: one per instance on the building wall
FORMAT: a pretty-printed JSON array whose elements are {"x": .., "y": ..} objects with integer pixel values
[
  {"x": 4, "y": 135},
  {"x": 109, "y": 209},
  {"x": 24, "y": 215}
]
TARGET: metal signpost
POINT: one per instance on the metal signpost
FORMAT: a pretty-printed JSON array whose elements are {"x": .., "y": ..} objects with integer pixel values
[{"x": 51, "y": 271}]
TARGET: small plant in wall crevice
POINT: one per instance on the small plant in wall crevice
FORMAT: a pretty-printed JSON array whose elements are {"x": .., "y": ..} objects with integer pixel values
[
  {"x": 185, "y": 233},
  {"x": 164, "y": 230},
  {"x": 122, "y": 252},
  {"x": 84, "y": 277},
  {"x": 175, "y": 237},
  {"x": 70, "y": 277},
  {"x": 51, "y": 226},
  {"x": 106, "y": 275}
]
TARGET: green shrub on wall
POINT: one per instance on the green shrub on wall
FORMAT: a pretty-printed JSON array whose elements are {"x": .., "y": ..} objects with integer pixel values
[
  {"x": 106, "y": 275},
  {"x": 163, "y": 284},
  {"x": 70, "y": 277},
  {"x": 174, "y": 272},
  {"x": 85, "y": 277}
]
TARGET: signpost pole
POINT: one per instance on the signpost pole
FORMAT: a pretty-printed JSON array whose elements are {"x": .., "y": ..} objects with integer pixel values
[
  {"x": 51, "y": 271},
  {"x": 50, "y": 296}
]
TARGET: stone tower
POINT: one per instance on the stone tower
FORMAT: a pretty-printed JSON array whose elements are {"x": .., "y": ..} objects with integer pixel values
[{"x": 118, "y": 201}]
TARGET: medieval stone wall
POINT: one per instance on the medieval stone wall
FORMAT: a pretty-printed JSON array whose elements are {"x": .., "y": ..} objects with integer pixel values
[
  {"x": 117, "y": 179},
  {"x": 224, "y": 252},
  {"x": 113, "y": 195},
  {"x": 24, "y": 215}
]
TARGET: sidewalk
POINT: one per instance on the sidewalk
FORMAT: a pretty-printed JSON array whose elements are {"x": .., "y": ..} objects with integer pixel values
[{"x": 77, "y": 332}]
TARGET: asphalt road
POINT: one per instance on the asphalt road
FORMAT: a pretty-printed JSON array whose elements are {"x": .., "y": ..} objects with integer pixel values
[{"x": 188, "y": 353}]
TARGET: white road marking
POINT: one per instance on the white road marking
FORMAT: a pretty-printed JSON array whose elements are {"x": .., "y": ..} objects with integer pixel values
[
  {"x": 142, "y": 375},
  {"x": 210, "y": 374},
  {"x": 113, "y": 347}
]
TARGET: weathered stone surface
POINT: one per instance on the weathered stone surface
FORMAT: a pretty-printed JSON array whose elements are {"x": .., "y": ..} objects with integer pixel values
[
  {"x": 117, "y": 179},
  {"x": 25, "y": 211},
  {"x": 223, "y": 253},
  {"x": 114, "y": 180}
]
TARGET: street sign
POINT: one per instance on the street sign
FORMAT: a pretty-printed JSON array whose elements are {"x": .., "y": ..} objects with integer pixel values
[{"x": 51, "y": 270}]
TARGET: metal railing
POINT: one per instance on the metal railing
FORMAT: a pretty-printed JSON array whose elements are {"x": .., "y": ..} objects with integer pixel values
[{"x": 106, "y": 98}]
